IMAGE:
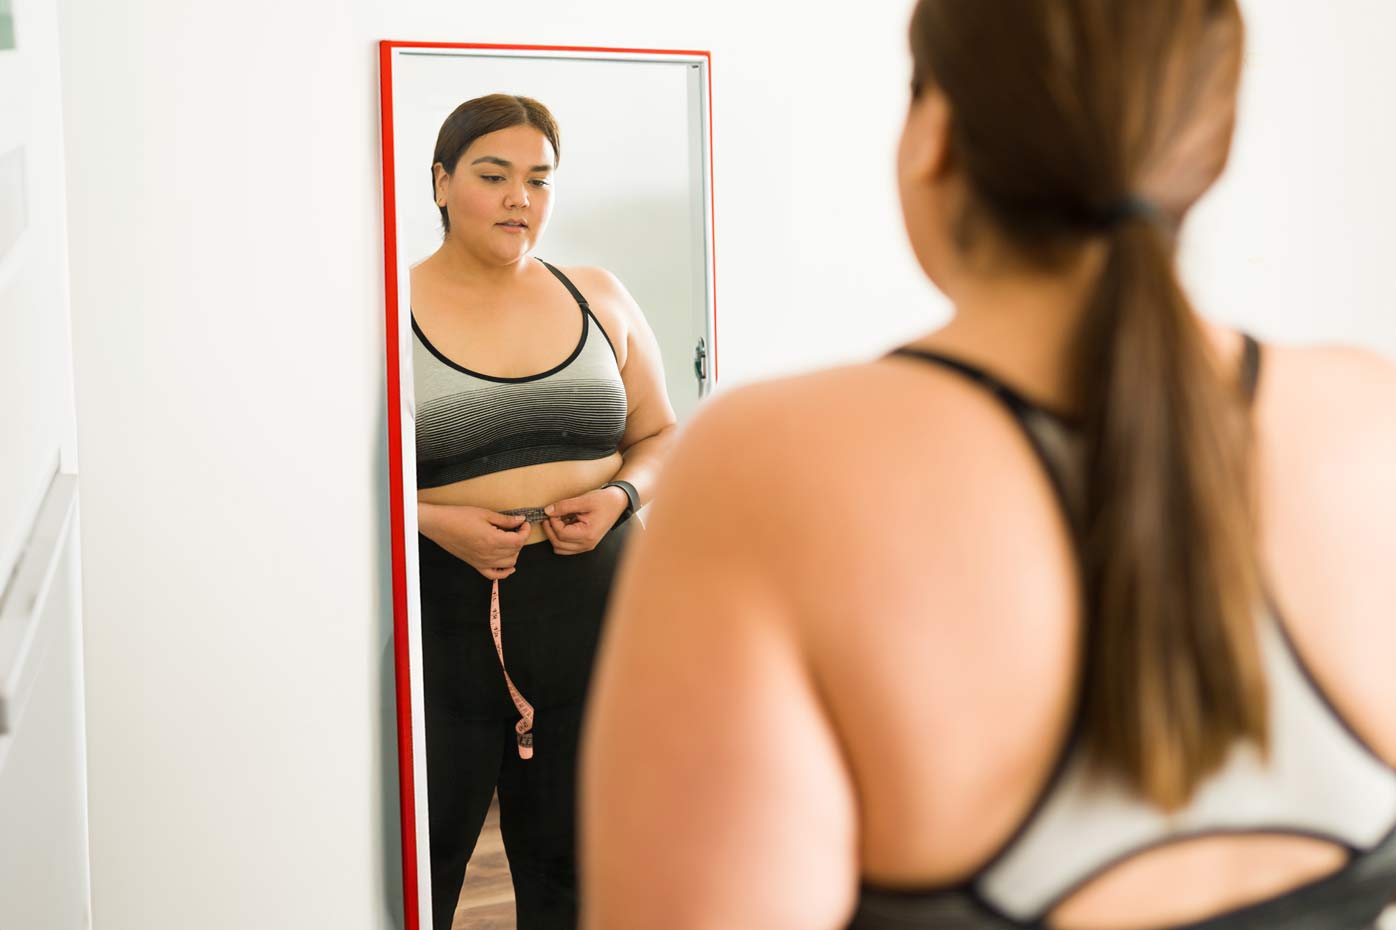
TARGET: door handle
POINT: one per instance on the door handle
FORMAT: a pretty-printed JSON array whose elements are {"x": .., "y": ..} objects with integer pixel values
[{"x": 700, "y": 363}]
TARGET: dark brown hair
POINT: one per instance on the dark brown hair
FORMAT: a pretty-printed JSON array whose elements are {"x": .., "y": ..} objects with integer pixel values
[
  {"x": 1067, "y": 118},
  {"x": 480, "y": 117}
]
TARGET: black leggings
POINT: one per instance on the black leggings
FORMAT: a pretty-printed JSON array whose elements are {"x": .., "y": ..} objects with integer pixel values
[{"x": 551, "y": 610}]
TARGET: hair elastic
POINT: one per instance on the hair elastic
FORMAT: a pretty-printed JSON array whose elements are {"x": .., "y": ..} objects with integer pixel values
[{"x": 1128, "y": 210}]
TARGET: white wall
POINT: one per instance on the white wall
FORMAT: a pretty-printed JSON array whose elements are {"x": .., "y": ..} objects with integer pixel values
[
  {"x": 224, "y": 206},
  {"x": 1294, "y": 242}
]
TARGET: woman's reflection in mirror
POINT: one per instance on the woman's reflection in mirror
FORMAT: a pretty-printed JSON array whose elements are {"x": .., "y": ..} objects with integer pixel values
[{"x": 541, "y": 421}]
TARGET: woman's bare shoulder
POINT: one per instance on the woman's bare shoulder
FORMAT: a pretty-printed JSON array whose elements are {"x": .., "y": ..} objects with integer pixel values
[
  {"x": 426, "y": 292},
  {"x": 861, "y": 457},
  {"x": 600, "y": 287},
  {"x": 1343, "y": 376},
  {"x": 609, "y": 301},
  {"x": 1327, "y": 440},
  {"x": 424, "y": 268},
  {"x": 1326, "y": 407},
  {"x": 860, "y": 416}
]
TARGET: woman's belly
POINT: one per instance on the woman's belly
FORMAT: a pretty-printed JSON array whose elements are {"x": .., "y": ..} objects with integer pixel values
[{"x": 530, "y": 486}]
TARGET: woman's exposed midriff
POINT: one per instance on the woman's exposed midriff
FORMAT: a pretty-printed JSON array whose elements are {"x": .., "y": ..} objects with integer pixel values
[{"x": 530, "y": 486}]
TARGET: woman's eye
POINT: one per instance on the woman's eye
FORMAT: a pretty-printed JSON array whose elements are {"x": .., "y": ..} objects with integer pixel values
[
  {"x": 539, "y": 182},
  {"x": 491, "y": 177}
]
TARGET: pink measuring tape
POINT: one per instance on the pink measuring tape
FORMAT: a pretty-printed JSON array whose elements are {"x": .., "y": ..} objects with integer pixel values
[{"x": 524, "y": 728}]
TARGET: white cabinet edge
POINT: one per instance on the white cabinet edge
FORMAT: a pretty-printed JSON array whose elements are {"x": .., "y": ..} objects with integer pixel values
[{"x": 22, "y": 604}]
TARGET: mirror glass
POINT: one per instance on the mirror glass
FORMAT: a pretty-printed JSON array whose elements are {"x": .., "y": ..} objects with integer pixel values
[{"x": 549, "y": 270}]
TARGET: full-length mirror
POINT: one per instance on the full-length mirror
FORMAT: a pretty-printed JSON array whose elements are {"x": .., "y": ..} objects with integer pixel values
[{"x": 550, "y": 323}]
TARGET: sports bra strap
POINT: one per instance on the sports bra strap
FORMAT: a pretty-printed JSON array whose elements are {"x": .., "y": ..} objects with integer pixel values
[
  {"x": 1045, "y": 428},
  {"x": 572, "y": 288},
  {"x": 1249, "y": 380},
  {"x": 1007, "y": 395},
  {"x": 1035, "y": 421},
  {"x": 1250, "y": 367}
]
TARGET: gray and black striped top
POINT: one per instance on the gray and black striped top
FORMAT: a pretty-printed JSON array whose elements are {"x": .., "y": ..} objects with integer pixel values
[{"x": 471, "y": 424}]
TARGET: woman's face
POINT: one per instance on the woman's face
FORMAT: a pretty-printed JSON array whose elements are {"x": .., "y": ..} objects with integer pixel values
[{"x": 500, "y": 196}]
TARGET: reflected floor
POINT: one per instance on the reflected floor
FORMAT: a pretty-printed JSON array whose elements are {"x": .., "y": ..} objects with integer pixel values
[{"x": 487, "y": 898}]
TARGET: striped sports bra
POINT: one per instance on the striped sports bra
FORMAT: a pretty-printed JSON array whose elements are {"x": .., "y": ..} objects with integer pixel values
[
  {"x": 471, "y": 424},
  {"x": 1321, "y": 781}
]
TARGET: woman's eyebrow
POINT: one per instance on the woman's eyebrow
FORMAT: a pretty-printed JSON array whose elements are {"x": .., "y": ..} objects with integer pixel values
[{"x": 495, "y": 160}]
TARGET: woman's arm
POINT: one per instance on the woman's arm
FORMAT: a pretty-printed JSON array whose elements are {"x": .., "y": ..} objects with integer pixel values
[
  {"x": 650, "y": 425},
  {"x": 714, "y": 794}
]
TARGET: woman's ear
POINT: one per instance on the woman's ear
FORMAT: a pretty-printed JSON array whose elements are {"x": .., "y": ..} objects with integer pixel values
[
  {"x": 438, "y": 171},
  {"x": 928, "y": 124}
]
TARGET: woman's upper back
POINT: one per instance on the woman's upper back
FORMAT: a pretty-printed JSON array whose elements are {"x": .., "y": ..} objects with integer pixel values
[
  {"x": 977, "y": 687},
  {"x": 1089, "y": 852}
]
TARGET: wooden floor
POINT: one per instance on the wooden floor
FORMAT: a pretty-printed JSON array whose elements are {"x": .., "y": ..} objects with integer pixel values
[{"x": 487, "y": 899}]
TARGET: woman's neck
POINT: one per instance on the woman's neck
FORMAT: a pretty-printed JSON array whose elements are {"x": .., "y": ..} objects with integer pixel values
[
  {"x": 1024, "y": 329},
  {"x": 462, "y": 267},
  {"x": 1021, "y": 326}
]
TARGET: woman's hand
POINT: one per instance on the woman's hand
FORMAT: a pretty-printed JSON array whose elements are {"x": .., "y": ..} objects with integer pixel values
[
  {"x": 577, "y": 524},
  {"x": 489, "y": 542}
]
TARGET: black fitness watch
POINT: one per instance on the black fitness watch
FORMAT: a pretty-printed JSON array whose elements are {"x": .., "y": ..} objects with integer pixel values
[{"x": 630, "y": 493}]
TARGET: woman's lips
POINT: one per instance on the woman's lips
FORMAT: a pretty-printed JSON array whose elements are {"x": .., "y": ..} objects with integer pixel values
[{"x": 511, "y": 227}]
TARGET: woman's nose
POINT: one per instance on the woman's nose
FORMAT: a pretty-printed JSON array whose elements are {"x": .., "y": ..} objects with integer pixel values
[{"x": 517, "y": 197}]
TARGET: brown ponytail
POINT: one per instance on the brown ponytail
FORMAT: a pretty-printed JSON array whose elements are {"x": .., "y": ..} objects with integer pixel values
[
  {"x": 1063, "y": 110},
  {"x": 1172, "y": 669}
]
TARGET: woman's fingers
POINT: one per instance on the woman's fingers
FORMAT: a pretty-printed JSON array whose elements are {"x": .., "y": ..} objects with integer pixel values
[
  {"x": 565, "y": 507},
  {"x": 558, "y": 534},
  {"x": 509, "y": 522},
  {"x": 548, "y": 530},
  {"x": 579, "y": 537},
  {"x": 505, "y": 560},
  {"x": 569, "y": 530},
  {"x": 509, "y": 542},
  {"x": 573, "y": 510}
]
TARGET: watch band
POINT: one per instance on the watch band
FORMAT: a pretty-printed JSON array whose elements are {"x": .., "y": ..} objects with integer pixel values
[{"x": 630, "y": 492}]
